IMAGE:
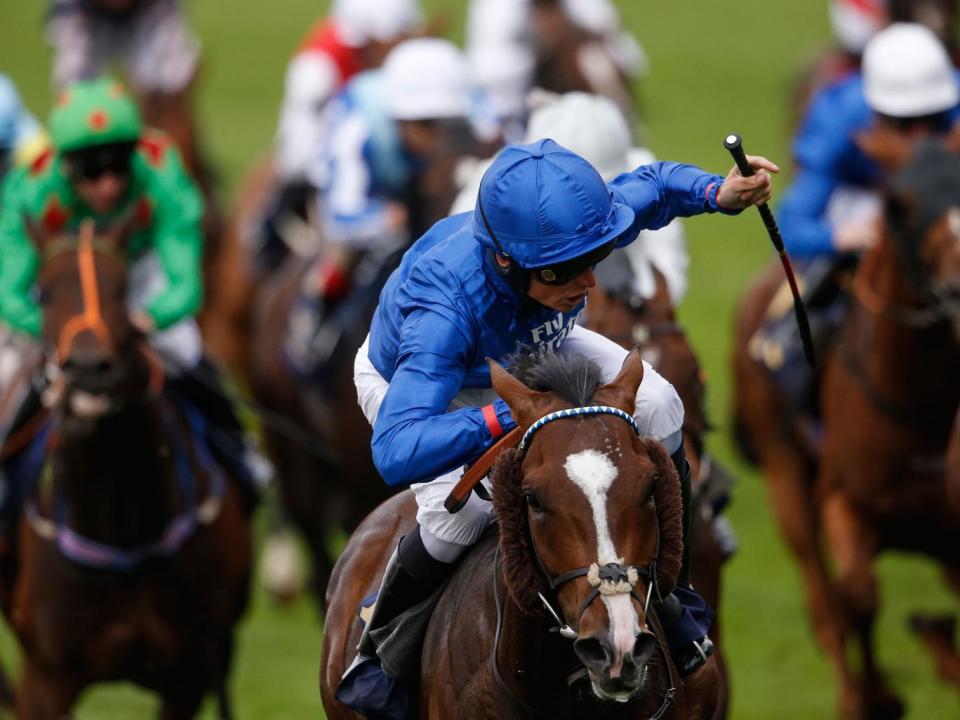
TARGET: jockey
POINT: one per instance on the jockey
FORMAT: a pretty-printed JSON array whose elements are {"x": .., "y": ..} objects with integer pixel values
[
  {"x": 149, "y": 37},
  {"x": 908, "y": 88},
  {"x": 512, "y": 274},
  {"x": 21, "y": 137},
  {"x": 382, "y": 128},
  {"x": 355, "y": 37},
  {"x": 102, "y": 164}
]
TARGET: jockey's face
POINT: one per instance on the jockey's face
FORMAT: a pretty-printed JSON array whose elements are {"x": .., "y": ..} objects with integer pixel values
[
  {"x": 103, "y": 193},
  {"x": 562, "y": 297}
]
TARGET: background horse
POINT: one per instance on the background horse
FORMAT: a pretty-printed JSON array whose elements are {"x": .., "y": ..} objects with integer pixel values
[
  {"x": 488, "y": 650},
  {"x": 330, "y": 486},
  {"x": 889, "y": 399},
  {"x": 134, "y": 551}
]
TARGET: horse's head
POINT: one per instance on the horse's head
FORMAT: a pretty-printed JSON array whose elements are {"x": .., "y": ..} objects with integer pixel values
[
  {"x": 92, "y": 346},
  {"x": 590, "y": 511},
  {"x": 923, "y": 222}
]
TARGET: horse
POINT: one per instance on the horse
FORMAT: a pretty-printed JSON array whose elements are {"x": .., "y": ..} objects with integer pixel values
[
  {"x": 132, "y": 559},
  {"x": 589, "y": 525},
  {"x": 888, "y": 401},
  {"x": 329, "y": 483}
]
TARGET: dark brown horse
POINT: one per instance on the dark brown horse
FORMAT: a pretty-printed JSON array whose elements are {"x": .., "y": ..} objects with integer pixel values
[
  {"x": 134, "y": 551},
  {"x": 586, "y": 493},
  {"x": 332, "y": 485}
]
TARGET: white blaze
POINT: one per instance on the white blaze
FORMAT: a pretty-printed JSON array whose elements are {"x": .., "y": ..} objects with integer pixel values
[{"x": 594, "y": 473}]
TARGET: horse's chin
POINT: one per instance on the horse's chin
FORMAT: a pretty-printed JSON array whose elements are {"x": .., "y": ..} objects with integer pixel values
[
  {"x": 615, "y": 691},
  {"x": 89, "y": 406}
]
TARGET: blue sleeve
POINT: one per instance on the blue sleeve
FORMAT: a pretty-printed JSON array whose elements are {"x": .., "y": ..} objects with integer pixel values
[
  {"x": 415, "y": 439},
  {"x": 801, "y": 214},
  {"x": 662, "y": 191}
]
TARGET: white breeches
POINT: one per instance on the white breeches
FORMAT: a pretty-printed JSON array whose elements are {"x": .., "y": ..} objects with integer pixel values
[{"x": 659, "y": 414}]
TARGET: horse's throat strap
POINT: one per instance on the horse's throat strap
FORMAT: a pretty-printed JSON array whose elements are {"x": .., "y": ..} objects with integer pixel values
[
  {"x": 91, "y": 317},
  {"x": 475, "y": 473}
]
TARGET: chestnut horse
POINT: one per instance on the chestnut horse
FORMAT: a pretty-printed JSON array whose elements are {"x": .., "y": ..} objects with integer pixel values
[
  {"x": 133, "y": 556},
  {"x": 589, "y": 518},
  {"x": 332, "y": 485},
  {"x": 889, "y": 397}
]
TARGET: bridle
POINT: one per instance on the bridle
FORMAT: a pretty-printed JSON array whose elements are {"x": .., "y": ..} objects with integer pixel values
[{"x": 605, "y": 580}]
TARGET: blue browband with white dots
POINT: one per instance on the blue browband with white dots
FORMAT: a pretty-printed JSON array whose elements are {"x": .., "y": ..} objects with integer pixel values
[{"x": 572, "y": 412}]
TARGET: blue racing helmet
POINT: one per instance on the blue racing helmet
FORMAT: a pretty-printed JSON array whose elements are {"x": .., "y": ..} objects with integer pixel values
[{"x": 541, "y": 206}]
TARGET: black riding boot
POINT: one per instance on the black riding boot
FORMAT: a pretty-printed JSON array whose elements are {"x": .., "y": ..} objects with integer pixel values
[
  {"x": 368, "y": 686},
  {"x": 203, "y": 388},
  {"x": 685, "y": 616}
]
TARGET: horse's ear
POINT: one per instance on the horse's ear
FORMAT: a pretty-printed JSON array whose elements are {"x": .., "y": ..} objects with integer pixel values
[
  {"x": 38, "y": 233},
  {"x": 622, "y": 392},
  {"x": 526, "y": 405}
]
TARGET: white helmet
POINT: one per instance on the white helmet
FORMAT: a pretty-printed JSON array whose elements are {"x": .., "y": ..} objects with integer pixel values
[
  {"x": 426, "y": 79},
  {"x": 907, "y": 73},
  {"x": 590, "y": 125},
  {"x": 855, "y": 22},
  {"x": 359, "y": 22}
]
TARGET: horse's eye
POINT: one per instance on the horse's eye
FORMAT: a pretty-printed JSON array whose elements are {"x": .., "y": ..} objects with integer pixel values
[{"x": 533, "y": 502}]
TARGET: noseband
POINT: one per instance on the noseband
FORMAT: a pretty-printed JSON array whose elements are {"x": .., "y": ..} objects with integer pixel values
[{"x": 605, "y": 580}]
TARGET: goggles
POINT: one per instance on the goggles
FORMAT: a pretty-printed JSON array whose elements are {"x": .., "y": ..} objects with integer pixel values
[
  {"x": 92, "y": 163},
  {"x": 562, "y": 273}
]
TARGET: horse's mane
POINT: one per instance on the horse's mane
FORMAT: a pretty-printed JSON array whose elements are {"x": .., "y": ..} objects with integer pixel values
[{"x": 575, "y": 378}]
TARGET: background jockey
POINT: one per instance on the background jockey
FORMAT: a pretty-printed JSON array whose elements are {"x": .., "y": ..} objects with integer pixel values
[
  {"x": 501, "y": 47},
  {"x": 21, "y": 137},
  {"x": 513, "y": 274},
  {"x": 382, "y": 129},
  {"x": 355, "y": 37},
  {"x": 908, "y": 89},
  {"x": 103, "y": 164}
]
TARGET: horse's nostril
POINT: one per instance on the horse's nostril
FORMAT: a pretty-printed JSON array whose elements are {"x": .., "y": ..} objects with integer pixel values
[
  {"x": 103, "y": 367},
  {"x": 592, "y": 653}
]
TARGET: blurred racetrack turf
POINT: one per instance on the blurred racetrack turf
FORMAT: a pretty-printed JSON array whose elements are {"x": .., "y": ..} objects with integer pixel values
[{"x": 715, "y": 68}]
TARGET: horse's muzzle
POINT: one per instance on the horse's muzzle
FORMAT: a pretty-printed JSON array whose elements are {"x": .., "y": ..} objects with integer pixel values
[{"x": 616, "y": 678}]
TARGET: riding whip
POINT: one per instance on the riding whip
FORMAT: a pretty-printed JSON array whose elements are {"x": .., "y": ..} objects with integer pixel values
[{"x": 734, "y": 144}]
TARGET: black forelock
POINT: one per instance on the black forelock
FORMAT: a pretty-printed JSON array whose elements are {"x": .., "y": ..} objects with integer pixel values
[{"x": 573, "y": 377}]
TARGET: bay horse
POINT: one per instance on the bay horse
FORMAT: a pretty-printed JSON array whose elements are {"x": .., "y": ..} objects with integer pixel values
[
  {"x": 332, "y": 485},
  {"x": 590, "y": 519},
  {"x": 133, "y": 553}
]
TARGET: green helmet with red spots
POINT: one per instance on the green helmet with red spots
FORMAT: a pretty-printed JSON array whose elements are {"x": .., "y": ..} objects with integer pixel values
[{"x": 94, "y": 112}]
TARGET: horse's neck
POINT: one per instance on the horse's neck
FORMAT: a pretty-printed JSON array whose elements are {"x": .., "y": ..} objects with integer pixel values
[
  {"x": 914, "y": 360},
  {"x": 536, "y": 663},
  {"x": 116, "y": 481}
]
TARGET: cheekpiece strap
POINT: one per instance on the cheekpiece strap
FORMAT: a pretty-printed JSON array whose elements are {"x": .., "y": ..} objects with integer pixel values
[{"x": 573, "y": 412}]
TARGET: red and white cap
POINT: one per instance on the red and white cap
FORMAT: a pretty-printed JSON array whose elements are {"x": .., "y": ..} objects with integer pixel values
[{"x": 855, "y": 22}]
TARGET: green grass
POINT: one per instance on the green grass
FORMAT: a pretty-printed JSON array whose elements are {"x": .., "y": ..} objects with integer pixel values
[{"x": 716, "y": 68}]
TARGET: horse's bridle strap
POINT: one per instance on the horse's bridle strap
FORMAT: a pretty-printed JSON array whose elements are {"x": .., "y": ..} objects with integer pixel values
[
  {"x": 475, "y": 473},
  {"x": 91, "y": 317},
  {"x": 577, "y": 412}
]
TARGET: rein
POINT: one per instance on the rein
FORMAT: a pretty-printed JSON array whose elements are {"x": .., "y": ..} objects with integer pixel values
[{"x": 609, "y": 579}]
